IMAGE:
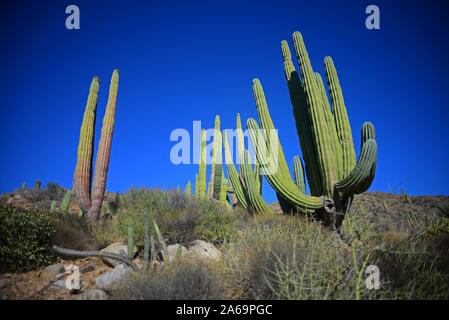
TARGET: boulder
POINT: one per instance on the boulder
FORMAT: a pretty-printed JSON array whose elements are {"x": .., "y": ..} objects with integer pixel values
[
  {"x": 108, "y": 280},
  {"x": 118, "y": 248},
  {"x": 173, "y": 250},
  {"x": 203, "y": 251},
  {"x": 51, "y": 271},
  {"x": 93, "y": 294}
]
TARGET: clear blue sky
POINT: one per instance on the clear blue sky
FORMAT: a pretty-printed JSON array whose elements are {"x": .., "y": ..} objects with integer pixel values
[{"x": 181, "y": 61}]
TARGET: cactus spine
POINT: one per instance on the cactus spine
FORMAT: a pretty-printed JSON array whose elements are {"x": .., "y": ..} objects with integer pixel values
[{"x": 90, "y": 200}]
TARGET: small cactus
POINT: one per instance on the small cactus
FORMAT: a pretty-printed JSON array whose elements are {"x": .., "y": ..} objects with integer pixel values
[
  {"x": 130, "y": 241},
  {"x": 53, "y": 207},
  {"x": 66, "y": 201},
  {"x": 37, "y": 185}
]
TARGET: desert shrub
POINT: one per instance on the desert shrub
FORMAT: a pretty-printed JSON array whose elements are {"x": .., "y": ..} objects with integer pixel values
[
  {"x": 75, "y": 232},
  {"x": 217, "y": 227},
  {"x": 182, "y": 281},
  {"x": 280, "y": 257},
  {"x": 416, "y": 268},
  {"x": 25, "y": 239},
  {"x": 180, "y": 220},
  {"x": 440, "y": 226},
  {"x": 40, "y": 199}
]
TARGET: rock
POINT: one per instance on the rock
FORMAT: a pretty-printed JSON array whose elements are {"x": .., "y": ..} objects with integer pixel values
[
  {"x": 203, "y": 251},
  {"x": 3, "y": 283},
  {"x": 173, "y": 250},
  {"x": 89, "y": 268},
  {"x": 118, "y": 248},
  {"x": 52, "y": 271},
  {"x": 109, "y": 279},
  {"x": 93, "y": 294}
]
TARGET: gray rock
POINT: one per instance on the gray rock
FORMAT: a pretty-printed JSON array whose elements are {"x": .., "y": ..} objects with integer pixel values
[
  {"x": 108, "y": 280},
  {"x": 173, "y": 250},
  {"x": 203, "y": 251},
  {"x": 52, "y": 271},
  {"x": 3, "y": 283},
  {"x": 118, "y": 248},
  {"x": 93, "y": 294}
]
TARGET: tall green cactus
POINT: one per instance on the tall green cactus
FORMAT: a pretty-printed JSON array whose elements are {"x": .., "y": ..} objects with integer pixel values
[
  {"x": 90, "y": 199},
  {"x": 188, "y": 191},
  {"x": 66, "y": 201},
  {"x": 246, "y": 188},
  {"x": 53, "y": 206},
  {"x": 325, "y": 137},
  {"x": 202, "y": 168}
]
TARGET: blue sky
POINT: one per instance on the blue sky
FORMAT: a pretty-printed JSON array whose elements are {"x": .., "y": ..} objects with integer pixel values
[{"x": 190, "y": 60}]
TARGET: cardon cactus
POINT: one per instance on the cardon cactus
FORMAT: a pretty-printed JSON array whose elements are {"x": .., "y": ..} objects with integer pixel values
[
  {"x": 200, "y": 188},
  {"x": 37, "y": 185},
  {"x": 66, "y": 201},
  {"x": 188, "y": 191},
  {"x": 247, "y": 187},
  {"x": 90, "y": 199},
  {"x": 325, "y": 137}
]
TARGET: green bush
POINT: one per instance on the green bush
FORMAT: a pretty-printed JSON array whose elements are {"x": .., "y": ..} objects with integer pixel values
[
  {"x": 217, "y": 227},
  {"x": 25, "y": 239},
  {"x": 440, "y": 226},
  {"x": 180, "y": 220}
]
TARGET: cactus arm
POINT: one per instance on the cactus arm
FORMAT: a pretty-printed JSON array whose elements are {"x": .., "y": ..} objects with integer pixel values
[
  {"x": 330, "y": 127},
  {"x": 267, "y": 124},
  {"x": 298, "y": 173},
  {"x": 368, "y": 132},
  {"x": 283, "y": 186},
  {"x": 325, "y": 157},
  {"x": 188, "y": 191},
  {"x": 341, "y": 117},
  {"x": 240, "y": 146},
  {"x": 256, "y": 200},
  {"x": 104, "y": 150},
  {"x": 202, "y": 167},
  {"x": 361, "y": 172},
  {"x": 83, "y": 171},
  {"x": 197, "y": 186},
  {"x": 233, "y": 175},
  {"x": 303, "y": 126}
]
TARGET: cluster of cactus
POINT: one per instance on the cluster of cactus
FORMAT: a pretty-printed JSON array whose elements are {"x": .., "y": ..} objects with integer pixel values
[
  {"x": 325, "y": 137},
  {"x": 90, "y": 197},
  {"x": 65, "y": 203},
  {"x": 247, "y": 184},
  {"x": 217, "y": 188}
]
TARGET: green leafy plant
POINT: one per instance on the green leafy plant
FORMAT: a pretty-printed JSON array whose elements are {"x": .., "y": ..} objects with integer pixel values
[{"x": 25, "y": 239}]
